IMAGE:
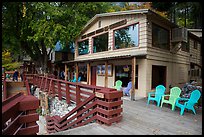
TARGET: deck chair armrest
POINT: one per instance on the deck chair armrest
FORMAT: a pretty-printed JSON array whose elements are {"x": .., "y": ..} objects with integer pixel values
[
  {"x": 150, "y": 93},
  {"x": 183, "y": 99},
  {"x": 164, "y": 96}
]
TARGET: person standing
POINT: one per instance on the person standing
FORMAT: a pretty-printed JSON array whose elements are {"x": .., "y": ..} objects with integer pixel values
[{"x": 15, "y": 75}]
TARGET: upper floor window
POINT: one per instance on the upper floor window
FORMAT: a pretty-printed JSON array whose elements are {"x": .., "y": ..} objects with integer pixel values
[
  {"x": 100, "y": 43},
  {"x": 160, "y": 37},
  {"x": 83, "y": 47},
  {"x": 185, "y": 46},
  {"x": 195, "y": 45},
  {"x": 126, "y": 37},
  {"x": 99, "y": 23}
]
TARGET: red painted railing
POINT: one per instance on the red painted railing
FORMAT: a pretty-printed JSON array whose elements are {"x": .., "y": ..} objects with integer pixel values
[
  {"x": 19, "y": 115},
  {"x": 94, "y": 104}
]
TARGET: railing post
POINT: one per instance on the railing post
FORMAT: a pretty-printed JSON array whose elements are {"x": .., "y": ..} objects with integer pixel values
[
  {"x": 27, "y": 87},
  {"x": 41, "y": 84},
  {"x": 78, "y": 97},
  {"x": 50, "y": 85},
  {"x": 59, "y": 90},
  {"x": 67, "y": 94},
  {"x": 45, "y": 86},
  {"x": 4, "y": 92}
]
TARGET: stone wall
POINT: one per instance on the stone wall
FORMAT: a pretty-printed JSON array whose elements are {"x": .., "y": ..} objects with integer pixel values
[{"x": 52, "y": 105}]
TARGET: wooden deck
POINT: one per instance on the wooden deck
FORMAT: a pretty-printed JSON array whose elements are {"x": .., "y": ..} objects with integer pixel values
[{"x": 142, "y": 119}]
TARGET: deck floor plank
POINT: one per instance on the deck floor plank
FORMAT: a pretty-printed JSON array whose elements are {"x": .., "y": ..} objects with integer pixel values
[{"x": 142, "y": 119}]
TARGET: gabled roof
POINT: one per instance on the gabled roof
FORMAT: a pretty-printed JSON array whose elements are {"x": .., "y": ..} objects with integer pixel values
[
  {"x": 95, "y": 18},
  {"x": 141, "y": 11}
]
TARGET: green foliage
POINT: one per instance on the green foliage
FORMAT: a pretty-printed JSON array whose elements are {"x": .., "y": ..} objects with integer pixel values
[{"x": 12, "y": 66}]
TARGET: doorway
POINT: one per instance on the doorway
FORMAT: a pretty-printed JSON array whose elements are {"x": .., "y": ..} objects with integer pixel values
[{"x": 158, "y": 76}]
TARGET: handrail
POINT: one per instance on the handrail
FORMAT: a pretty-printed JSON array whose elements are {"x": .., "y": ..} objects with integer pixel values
[
  {"x": 102, "y": 105},
  {"x": 22, "y": 119}
]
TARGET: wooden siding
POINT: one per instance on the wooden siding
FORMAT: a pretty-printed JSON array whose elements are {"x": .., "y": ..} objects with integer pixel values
[{"x": 131, "y": 19}]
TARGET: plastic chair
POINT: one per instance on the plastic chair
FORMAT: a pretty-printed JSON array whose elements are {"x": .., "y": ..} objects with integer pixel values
[
  {"x": 174, "y": 94},
  {"x": 118, "y": 84},
  {"x": 74, "y": 80},
  {"x": 188, "y": 102},
  {"x": 160, "y": 89},
  {"x": 128, "y": 88}
]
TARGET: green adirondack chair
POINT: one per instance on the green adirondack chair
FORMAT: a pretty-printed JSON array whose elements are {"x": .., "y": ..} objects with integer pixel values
[
  {"x": 118, "y": 84},
  {"x": 188, "y": 102},
  {"x": 159, "y": 92},
  {"x": 174, "y": 94}
]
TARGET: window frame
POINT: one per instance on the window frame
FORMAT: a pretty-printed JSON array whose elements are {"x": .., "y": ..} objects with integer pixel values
[
  {"x": 78, "y": 46},
  {"x": 168, "y": 40},
  {"x": 124, "y": 26},
  {"x": 92, "y": 44}
]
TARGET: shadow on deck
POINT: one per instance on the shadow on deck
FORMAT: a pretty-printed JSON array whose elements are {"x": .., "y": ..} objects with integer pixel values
[{"x": 142, "y": 119}]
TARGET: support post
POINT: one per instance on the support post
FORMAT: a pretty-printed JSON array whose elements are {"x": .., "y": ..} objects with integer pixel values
[
  {"x": 77, "y": 72},
  {"x": 106, "y": 74},
  {"x": 66, "y": 72},
  {"x": 88, "y": 73},
  {"x": 133, "y": 78}
]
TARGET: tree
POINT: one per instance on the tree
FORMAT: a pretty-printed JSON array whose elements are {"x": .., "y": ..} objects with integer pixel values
[
  {"x": 35, "y": 27},
  {"x": 184, "y": 14}
]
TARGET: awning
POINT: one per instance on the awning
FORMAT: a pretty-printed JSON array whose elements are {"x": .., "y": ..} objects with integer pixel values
[{"x": 106, "y": 58}]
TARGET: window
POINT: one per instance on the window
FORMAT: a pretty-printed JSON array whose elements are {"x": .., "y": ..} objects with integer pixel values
[
  {"x": 83, "y": 47},
  {"x": 185, "y": 46},
  {"x": 126, "y": 37},
  {"x": 100, "y": 43},
  {"x": 158, "y": 76},
  {"x": 195, "y": 45},
  {"x": 124, "y": 73},
  {"x": 83, "y": 72},
  {"x": 99, "y": 23},
  {"x": 160, "y": 37},
  {"x": 101, "y": 70}
]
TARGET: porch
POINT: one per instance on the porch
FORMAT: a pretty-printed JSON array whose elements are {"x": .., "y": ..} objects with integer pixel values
[{"x": 142, "y": 119}]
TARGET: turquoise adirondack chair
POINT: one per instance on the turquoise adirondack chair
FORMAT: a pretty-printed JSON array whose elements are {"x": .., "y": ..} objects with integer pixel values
[
  {"x": 159, "y": 92},
  {"x": 174, "y": 94},
  {"x": 118, "y": 84},
  {"x": 74, "y": 80},
  {"x": 188, "y": 102}
]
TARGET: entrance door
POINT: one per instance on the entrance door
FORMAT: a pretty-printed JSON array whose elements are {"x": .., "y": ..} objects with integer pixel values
[
  {"x": 158, "y": 76},
  {"x": 93, "y": 75}
]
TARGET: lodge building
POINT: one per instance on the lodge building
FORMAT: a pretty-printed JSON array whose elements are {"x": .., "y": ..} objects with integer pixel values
[{"x": 139, "y": 46}]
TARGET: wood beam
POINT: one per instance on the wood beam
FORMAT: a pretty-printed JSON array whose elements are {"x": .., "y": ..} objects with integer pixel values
[
  {"x": 133, "y": 78},
  {"x": 66, "y": 72},
  {"x": 77, "y": 71},
  {"x": 88, "y": 73},
  {"x": 106, "y": 74}
]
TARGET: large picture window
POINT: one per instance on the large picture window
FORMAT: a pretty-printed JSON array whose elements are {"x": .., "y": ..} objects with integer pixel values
[
  {"x": 83, "y": 47},
  {"x": 160, "y": 37},
  {"x": 100, "y": 43},
  {"x": 124, "y": 73},
  {"x": 126, "y": 37}
]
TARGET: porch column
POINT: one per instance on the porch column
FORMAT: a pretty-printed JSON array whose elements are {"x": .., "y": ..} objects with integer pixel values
[
  {"x": 58, "y": 69},
  {"x": 133, "y": 78},
  {"x": 106, "y": 74},
  {"x": 88, "y": 73},
  {"x": 65, "y": 72},
  {"x": 77, "y": 71}
]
